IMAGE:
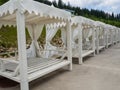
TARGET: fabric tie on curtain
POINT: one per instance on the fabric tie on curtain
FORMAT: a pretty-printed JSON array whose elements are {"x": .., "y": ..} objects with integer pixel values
[
  {"x": 50, "y": 33},
  {"x": 87, "y": 33},
  {"x": 75, "y": 34},
  {"x": 34, "y": 32}
]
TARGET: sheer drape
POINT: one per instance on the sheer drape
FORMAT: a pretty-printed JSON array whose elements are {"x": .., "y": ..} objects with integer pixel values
[
  {"x": 50, "y": 33},
  {"x": 34, "y": 32}
]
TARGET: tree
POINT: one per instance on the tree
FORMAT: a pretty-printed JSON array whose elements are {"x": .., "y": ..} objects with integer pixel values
[
  {"x": 60, "y": 4},
  {"x": 3, "y": 1},
  {"x": 55, "y": 3}
]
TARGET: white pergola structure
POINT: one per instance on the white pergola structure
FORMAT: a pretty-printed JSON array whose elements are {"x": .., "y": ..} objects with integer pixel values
[
  {"x": 100, "y": 36},
  {"x": 33, "y": 15},
  {"x": 83, "y": 30}
]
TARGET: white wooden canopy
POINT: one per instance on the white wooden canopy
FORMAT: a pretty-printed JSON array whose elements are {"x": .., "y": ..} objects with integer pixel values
[
  {"x": 33, "y": 11},
  {"x": 82, "y": 28},
  {"x": 33, "y": 15}
]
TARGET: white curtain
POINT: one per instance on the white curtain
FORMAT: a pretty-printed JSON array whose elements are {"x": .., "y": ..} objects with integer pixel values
[
  {"x": 87, "y": 33},
  {"x": 101, "y": 33},
  {"x": 50, "y": 33},
  {"x": 35, "y": 32},
  {"x": 75, "y": 33}
]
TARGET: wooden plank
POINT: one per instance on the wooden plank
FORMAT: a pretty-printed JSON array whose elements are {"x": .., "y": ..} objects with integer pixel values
[
  {"x": 45, "y": 71},
  {"x": 84, "y": 53},
  {"x": 42, "y": 66},
  {"x": 69, "y": 44},
  {"x": 9, "y": 60},
  {"x": 9, "y": 76},
  {"x": 80, "y": 49}
]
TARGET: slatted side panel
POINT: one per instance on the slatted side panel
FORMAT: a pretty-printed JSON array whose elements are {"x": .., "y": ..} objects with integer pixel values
[
  {"x": 34, "y": 65},
  {"x": 38, "y": 64}
]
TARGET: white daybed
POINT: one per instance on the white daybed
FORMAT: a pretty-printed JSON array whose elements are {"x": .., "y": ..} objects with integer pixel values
[
  {"x": 82, "y": 31},
  {"x": 33, "y": 15}
]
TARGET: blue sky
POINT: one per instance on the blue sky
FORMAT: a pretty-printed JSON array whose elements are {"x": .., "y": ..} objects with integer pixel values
[{"x": 105, "y": 5}]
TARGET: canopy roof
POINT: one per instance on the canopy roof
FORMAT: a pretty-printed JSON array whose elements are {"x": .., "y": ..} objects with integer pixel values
[
  {"x": 82, "y": 20},
  {"x": 34, "y": 12}
]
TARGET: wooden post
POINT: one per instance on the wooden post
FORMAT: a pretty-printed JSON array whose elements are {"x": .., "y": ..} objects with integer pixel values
[
  {"x": 115, "y": 36},
  {"x": 69, "y": 44},
  {"x": 93, "y": 40},
  {"x": 118, "y": 36},
  {"x": 112, "y": 37},
  {"x": 107, "y": 39},
  {"x": 97, "y": 38},
  {"x": 80, "y": 45},
  {"x": 22, "y": 50},
  {"x": 104, "y": 38}
]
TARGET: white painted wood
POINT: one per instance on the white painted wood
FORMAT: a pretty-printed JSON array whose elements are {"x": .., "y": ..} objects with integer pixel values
[
  {"x": 69, "y": 44},
  {"x": 45, "y": 64},
  {"x": 9, "y": 76},
  {"x": 87, "y": 52},
  {"x": 22, "y": 50},
  {"x": 80, "y": 45},
  {"x": 45, "y": 71},
  {"x": 9, "y": 60},
  {"x": 84, "y": 53},
  {"x": 93, "y": 40},
  {"x": 107, "y": 37},
  {"x": 97, "y": 40},
  {"x": 104, "y": 38},
  {"x": 118, "y": 35},
  {"x": 2, "y": 66}
]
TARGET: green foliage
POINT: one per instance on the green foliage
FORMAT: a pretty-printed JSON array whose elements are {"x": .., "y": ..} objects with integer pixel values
[
  {"x": 8, "y": 36},
  {"x": 3, "y": 1},
  {"x": 41, "y": 40}
]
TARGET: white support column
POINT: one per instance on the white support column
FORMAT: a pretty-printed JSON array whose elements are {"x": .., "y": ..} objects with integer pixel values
[
  {"x": 107, "y": 38},
  {"x": 118, "y": 36},
  {"x": 104, "y": 38},
  {"x": 22, "y": 50},
  {"x": 112, "y": 37},
  {"x": 69, "y": 44},
  {"x": 93, "y": 40},
  {"x": 111, "y": 34},
  {"x": 80, "y": 45},
  {"x": 115, "y": 36},
  {"x": 97, "y": 38}
]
